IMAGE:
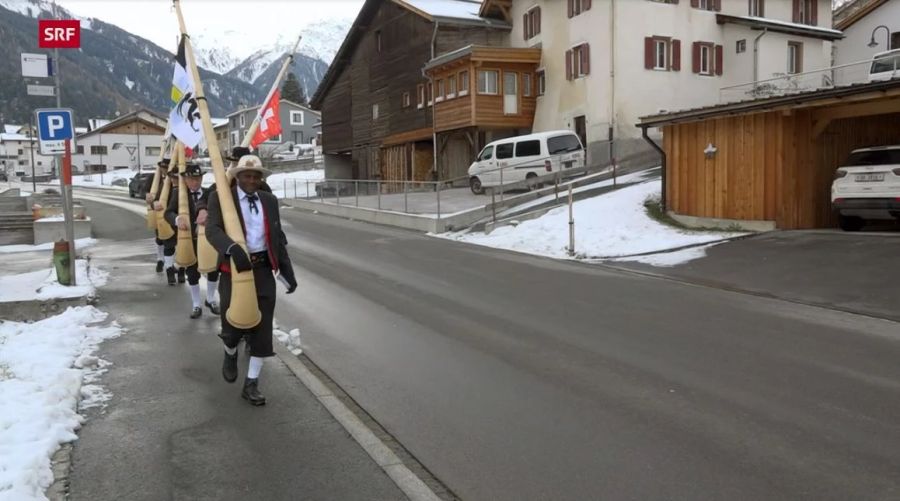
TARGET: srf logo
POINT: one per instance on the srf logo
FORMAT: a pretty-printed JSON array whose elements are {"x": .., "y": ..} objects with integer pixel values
[{"x": 59, "y": 34}]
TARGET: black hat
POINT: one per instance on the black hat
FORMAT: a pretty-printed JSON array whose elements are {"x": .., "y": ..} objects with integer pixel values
[
  {"x": 192, "y": 170},
  {"x": 172, "y": 171},
  {"x": 164, "y": 163},
  {"x": 237, "y": 152}
]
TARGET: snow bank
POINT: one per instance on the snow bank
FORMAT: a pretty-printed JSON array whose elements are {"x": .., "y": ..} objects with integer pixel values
[{"x": 43, "y": 284}]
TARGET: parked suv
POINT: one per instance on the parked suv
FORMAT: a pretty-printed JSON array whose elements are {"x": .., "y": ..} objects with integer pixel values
[
  {"x": 885, "y": 66},
  {"x": 137, "y": 183},
  {"x": 867, "y": 187}
]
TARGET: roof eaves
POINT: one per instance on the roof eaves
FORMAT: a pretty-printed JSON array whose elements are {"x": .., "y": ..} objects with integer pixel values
[{"x": 781, "y": 27}]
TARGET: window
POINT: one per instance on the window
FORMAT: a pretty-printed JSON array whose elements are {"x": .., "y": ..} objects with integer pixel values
[
  {"x": 440, "y": 91},
  {"x": 504, "y": 151},
  {"x": 715, "y": 5},
  {"x": 274, "y": 139},
  {"x": 741, "y": 46},
  {"x": 532, "y": 24},
  {"x": 541, "y": 82},
  {"x": 487, "y": 153},
  {"x": 463, "y": 83},
  {"x": 581, "y": 128},
  {"x": 707, "y": 58},
  {"x": 151, "y": 151},
  {"x": 526, "y": 84},
  {"x": 79, "y": 150},
  {"x": 98, "y": 150},
  {"x": 451, "y": 88},
  {"x": 795, "y": 58},
  {"x": 296, "y": 117},
  {"x": 21, "y": 151},
  {"x": 235, "y": 138},
  {"x": 578, "y": 61},
  {"x": 578, "y": 6},
  {"x": 374, "y": 112},
  {"x": 420, "y": 96},
  {"x": 405, "y": 100},
  {"x": 757, "y": 8},
  {"x": 895, "y": 40},
  {"x": 242, "y": 120},
  {"x": 528, "y": 148},
  {"x": 487, "y": 82},
  {"x": 429, "y": 93},
  {"x": 806, "y": 11},
  {"x": 378, "y": 41},
  {"x": 563, "y": 144},
  {"x": 662, "y": 53}
]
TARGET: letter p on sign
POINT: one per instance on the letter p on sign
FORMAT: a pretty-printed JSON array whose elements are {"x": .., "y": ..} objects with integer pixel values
[{"x": 59, "y": 34}]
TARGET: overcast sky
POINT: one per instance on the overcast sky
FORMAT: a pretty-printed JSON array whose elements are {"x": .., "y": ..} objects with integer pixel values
[{"x": 155, "y": 19}]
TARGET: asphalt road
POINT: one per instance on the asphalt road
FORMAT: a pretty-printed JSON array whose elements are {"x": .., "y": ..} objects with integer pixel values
[{"x": 515, "y": 377}]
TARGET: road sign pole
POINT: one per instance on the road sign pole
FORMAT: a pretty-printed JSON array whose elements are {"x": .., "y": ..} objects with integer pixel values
[
  {"x": 68, "y": 209},
  {"x": 31, "y": 143}
]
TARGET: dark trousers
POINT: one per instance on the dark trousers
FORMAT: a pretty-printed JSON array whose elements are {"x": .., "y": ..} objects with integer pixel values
[
  {"x": 193, "y": 275},
  {"x": 259, "y": 337}
]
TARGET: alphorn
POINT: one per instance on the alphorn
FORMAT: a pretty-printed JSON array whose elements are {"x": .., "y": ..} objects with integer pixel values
[
  {"x": 243, "y": 310},
  {"x": 163, "y": 228},
  {"x": 151, "y": 214},
  {"x": 184, "y": 247}
]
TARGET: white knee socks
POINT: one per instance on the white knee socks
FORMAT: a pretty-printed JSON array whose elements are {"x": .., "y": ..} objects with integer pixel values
[
  {"x": 211, "y": 288},
  {"x": 160, "y": 250},
  {"x": 195, "y": 295},
  {"x": 256, "y": 364},
  {"x": 170, "y": 261}
]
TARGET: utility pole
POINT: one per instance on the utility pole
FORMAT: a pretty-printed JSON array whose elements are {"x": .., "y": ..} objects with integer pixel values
[
  {"x": 65, "y": 180},
  {"x": 31, "y": 147}
]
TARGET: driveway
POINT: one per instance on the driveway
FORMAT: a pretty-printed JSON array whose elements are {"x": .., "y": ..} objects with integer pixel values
[{"x": 856, "y": 272}]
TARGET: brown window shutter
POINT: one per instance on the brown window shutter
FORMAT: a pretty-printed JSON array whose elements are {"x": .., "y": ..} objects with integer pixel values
[
  {"x": 676, "y": 55},
  {"x": 568, "y": 65},
  {"x": 796, "y": 16},
  {"x": 720, "y": 59},
  {"x": 586, "y": 5},
  {"x": 649, "y": 53},
  {"x": 571, "y": 8},
  {"x": 717, "y": 5},
  {"x": 814, "y": 13},
  {"x": 537, "y": 20},
  {"x": 525, "y": 25},
  {"x": 586, "y": 59},
  {"x": 695, "y": 4},
  {"x": 695, "y": 57}
]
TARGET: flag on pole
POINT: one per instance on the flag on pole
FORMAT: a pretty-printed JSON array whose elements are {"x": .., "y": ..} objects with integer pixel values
[
  {"x": 269, "y": 121},
  {"x": 184, "y": 118}
]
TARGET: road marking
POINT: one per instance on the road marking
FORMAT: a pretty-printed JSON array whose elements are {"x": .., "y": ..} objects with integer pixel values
[{"x": 411, "y": 485}]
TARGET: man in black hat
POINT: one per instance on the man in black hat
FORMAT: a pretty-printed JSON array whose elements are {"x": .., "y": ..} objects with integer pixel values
[
  {"x": 266, "y": 255},
  {"x": 162, "y": 166},
  {"x": 234, "y": 157},
  {"x": 169, "y": 245},
  {"x": 197, "y": 197}
]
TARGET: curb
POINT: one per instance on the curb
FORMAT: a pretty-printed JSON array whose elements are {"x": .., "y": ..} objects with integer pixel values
[{"x": 414, "y": 487}]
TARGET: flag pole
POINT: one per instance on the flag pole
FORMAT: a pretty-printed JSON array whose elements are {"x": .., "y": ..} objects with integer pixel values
[
  {"x": 243, "y": 312},
  {"x": 284, "y": 67}
]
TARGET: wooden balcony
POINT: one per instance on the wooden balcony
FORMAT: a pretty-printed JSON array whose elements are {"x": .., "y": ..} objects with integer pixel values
[{"x": 487, "y": 88}]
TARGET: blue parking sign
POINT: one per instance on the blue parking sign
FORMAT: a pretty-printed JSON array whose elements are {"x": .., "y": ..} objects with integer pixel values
[{"x": 54, "y": 127}]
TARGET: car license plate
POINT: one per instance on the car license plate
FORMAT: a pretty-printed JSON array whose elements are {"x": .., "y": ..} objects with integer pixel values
[
  {"x": 567, "y": 165},
  {"x": 869, "y": 178}
]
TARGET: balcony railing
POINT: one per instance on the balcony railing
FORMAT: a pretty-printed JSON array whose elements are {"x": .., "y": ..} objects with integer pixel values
[{"x": 826, "y": 78}]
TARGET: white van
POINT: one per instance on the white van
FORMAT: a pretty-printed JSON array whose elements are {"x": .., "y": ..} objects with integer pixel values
[
  {"x": 885, "y": 66},
  {"x": 519, "y": 158}
]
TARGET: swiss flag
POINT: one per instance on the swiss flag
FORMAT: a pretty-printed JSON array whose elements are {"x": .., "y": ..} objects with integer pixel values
[{"x": 269, "y": 122}]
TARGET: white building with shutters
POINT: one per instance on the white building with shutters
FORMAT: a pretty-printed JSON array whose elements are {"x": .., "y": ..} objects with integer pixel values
[{"x": 605, "y": 63}]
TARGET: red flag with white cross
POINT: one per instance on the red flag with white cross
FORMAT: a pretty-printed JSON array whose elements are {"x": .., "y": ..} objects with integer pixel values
[{"x": 269, "y": 122}]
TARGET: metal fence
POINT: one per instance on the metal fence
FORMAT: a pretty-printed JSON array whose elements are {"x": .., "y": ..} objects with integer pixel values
[{"x": 826, "y": 78}]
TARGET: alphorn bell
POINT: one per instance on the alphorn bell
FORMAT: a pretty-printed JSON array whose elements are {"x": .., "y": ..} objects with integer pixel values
[
  {"x": 243, "y": 310},
  {"x": 206, "y": 253},
  {"x": 184, "y": 247},
  {"x": 163, "y": 228},
  {"x": 151, "y": 214}
]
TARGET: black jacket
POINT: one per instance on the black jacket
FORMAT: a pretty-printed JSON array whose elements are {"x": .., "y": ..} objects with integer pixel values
[
  {"x": 276, "y": 241},
  {"x": 172, "y": 208}
]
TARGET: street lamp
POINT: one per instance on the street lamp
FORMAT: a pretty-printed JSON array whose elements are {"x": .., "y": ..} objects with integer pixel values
[{"x": 873, "y": 43}]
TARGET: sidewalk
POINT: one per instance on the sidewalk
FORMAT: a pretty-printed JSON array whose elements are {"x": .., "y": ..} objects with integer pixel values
[{"x": 175, "y": 430}]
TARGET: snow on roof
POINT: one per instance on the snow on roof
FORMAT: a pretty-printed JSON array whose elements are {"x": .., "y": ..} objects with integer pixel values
[
  {"x": 791, "y": 25},
  {"x": 218, "y": 122},
  {"x": 11, "y": 129},
  {"x": 14, "y": 137},
  {"x": 452, "y": 9}
]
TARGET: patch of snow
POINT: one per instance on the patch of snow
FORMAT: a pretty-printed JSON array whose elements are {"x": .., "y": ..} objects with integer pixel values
[
  {"x": 129, "y": 83},
  {"x": 284, "y": 184},
  {"x": 289, "y": 339},
  {"x": 80, "y": 243},
  {"x": 43, "y": 284},
  {"x": 669, "y": 259},
  {"x": 40, "y": 387},
  {"x": 456, "y": 9},
  {"x": 608, "y": 226}
]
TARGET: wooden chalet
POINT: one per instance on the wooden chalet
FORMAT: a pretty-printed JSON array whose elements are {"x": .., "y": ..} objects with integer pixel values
[
  {"x": 376, "y": 102},
  {"x": 481, "y": 93}
]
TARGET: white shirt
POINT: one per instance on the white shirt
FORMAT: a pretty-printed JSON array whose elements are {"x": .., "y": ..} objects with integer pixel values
[{"x": 253, "y": 222}]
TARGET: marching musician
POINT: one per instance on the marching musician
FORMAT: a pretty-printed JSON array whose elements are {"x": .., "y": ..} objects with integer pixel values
[{"x": 162, "y": 166}]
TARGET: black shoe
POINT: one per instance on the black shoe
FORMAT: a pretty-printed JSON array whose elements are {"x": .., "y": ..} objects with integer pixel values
[
  {"x": 196, "y": 312},
  {"x": 181, "y": 275},
  {"x": 213, "y": 307},
  {"x": 229, "y": 367},
  {"x": 170, "y": 275},
  {"x": 159, "y": 266},
  {"x": 251, "y": 392}
]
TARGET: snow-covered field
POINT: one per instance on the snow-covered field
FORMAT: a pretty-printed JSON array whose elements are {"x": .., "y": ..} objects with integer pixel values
[
  {"x": 80, "y": 243},
  {"x": 46, "y": 367},
  {"x": 610, "y": 226},
  {"x": 104, "y": 180},
  {"x": 43, "y": 284},
  {"x": 286, "y": 184}
]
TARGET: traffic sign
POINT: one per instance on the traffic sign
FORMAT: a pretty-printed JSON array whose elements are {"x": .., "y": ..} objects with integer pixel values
[
  {"x": 35, "y": 65},
  {"x": 41, "y": 90},
  {"x": 54, "y": 127}
]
